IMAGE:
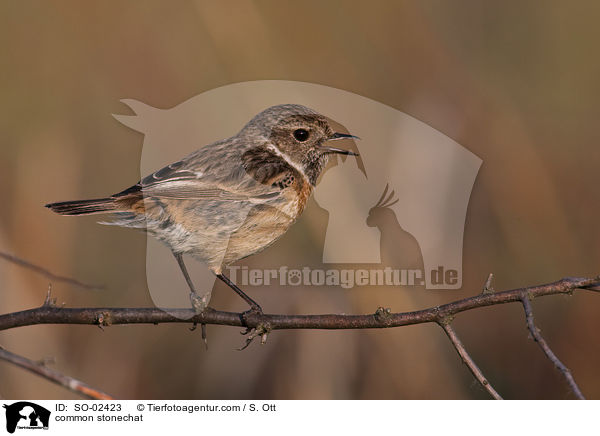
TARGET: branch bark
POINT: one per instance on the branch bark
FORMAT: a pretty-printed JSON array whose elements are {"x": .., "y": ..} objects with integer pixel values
[
  {"x": 462, "y": 352},
  {"x": 535, "y": 333},
  {"x": 262, "y": 324},
  {"x": 54, "y": 376},
  {"x": 50, "y": 314}
]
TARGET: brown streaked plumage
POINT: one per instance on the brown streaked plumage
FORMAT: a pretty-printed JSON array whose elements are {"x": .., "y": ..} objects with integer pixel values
[{"x": 229, "y": 199}]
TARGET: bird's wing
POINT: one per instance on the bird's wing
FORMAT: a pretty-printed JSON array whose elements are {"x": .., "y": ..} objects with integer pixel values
[
  {"x": 195, "y": 189},
  {"x": 214, "y": 173}
]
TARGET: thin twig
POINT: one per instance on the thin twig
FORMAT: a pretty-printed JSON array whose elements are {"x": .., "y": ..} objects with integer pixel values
[
  {"x": 43, "y": 271},
  {"x": 535, "y": 333},
  {"x": 54, "y": 376},
  {"x": 460, "y": 348}
]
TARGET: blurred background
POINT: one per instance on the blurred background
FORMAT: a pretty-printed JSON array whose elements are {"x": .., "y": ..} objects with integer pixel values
[{"x": 515, "y": 82}]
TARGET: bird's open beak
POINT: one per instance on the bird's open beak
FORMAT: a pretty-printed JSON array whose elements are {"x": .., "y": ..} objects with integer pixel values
[{"x": 335, "y": 137}]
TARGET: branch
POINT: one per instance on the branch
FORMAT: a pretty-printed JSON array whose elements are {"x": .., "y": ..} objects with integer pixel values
[
  {"x": 535, "y": 333},
  {"x": 43, "y": 271},
  {"x": 54, "y": 376},
  {"x": 262, "y": 324},
  {"x": 460, "y": 348},
  {"x": 49, "y": 314}
]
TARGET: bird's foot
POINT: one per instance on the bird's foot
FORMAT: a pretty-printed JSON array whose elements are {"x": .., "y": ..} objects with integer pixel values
[
  {"x": 203, "y": 329},
  {"x": 263, "y": 329}
]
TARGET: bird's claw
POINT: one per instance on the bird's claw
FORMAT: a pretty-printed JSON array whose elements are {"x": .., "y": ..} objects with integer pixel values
[
  {"x": 261, "y": 330},
  {"x": 253, "y": 311},
  {"x": 203, "y": 330}
]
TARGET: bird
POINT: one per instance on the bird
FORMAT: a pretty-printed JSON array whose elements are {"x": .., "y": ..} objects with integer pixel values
[{"x": 229, "y": 199}]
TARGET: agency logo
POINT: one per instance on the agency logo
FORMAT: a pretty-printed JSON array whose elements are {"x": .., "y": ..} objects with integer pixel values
[
  {"x": 25, "y": 415},
  {"x": 399, "y": 206}
]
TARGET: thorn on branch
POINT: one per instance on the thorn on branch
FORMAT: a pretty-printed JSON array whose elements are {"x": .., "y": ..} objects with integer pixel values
[
  {"x": 487, "y": 287},
  {"x": 49, "y": 301}
]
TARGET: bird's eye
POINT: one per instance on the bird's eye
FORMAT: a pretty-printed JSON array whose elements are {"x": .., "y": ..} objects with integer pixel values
[{"x": 301, "y": 134}]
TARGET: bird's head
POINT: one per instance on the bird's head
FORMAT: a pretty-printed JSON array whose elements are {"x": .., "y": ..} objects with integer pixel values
[{"x": 299, "y": 135}]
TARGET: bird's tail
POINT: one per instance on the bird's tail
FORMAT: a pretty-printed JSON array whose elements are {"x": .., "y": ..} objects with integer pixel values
[{"x": 83, "y": 207}]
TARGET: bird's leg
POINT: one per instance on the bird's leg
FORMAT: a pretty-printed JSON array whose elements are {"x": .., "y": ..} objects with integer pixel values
[
  {"x": 199, "y": 303},
  {"x": 262, "y": 329},
  {"x": 254, "y": 306}
]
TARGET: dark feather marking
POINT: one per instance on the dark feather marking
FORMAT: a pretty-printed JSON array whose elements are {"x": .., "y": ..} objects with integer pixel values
[
  {"x": 170, "y": 172},
  {"x": 268, "y": 168}
]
